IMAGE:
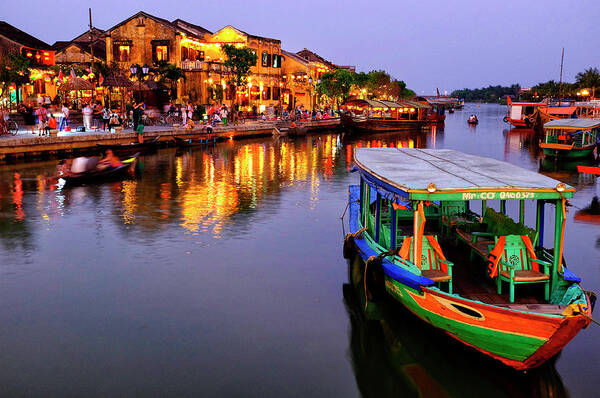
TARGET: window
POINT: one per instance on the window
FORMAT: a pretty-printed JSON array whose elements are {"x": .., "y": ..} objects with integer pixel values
[
  {"x": 122, "y": 53},
  {"x": 276, "y": 61},
  {"x": 276, "y": 93},
  {"x": 266, "y": 59},
  {"x": 160, "y": 50},
  {"x": 161, "y": 53},
  {"x": 266, "y": 93}
]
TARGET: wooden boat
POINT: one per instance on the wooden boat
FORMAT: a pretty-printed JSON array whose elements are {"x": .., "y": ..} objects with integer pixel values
[
  {"x": 549, "y": 113},
  {"x": 570, "y": 138},
  {"x": 473, "y": 120},
  {"x": 124, "y": 150},
  {"x": 401, "y": 188},
  {"x": 95, "y": 176},
  {"x": 199, "y": 141},
  {"x": 589, "y": 169},
  {"x": 366, "y": 116},
  {"x": 522, "y": 114}
]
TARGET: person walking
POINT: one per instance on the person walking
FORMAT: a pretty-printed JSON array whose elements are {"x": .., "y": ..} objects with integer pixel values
[
  {"x": 28, "y": 116},
  {"x": 42, "y": 115},
  {"x": 105, "y": 117},
  {"x": 65, "y": 120},
  {"x": 183, "y": 114},
  {"x": 224, "y": 114},
  {"x": 87, "y": 112},
  {"x": 138, "y": 122}
]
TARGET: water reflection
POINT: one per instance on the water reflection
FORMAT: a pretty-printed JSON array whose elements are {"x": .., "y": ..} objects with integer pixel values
[{"x": 394, "y": 354}]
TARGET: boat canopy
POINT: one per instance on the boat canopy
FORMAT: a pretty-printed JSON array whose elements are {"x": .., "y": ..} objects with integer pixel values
[
  {"x": 444, "y": 174},
  {"x": 572, "y": 124},
  {"x": 559, "y": 110},
  {"x": 383, "y": 104}
]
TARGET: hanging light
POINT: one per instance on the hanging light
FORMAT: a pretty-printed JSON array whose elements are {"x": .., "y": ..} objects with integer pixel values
[
  {"x": 431, "y": 188},
  {"x": 560, "y": 187},
  {"x": 133, "y": 69},
  {"x": 145, "y": 69}
]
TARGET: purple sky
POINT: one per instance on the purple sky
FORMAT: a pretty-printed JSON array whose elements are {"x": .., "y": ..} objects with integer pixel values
[{"x": 428, "y": 44}]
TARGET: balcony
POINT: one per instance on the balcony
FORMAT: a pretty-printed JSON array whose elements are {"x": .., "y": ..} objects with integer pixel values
[{"x": 204, "y": 66}]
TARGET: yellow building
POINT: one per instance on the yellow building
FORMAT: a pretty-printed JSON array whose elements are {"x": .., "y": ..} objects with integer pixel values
[{"x": 203, "y": 62}]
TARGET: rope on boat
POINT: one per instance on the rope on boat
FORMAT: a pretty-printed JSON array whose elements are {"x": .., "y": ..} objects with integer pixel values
[
  {"x": 346, "y": 209},
  {"x": 591, "y": 319}
]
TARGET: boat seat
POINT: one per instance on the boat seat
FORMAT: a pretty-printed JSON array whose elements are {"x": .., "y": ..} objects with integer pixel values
[
  {"x": 514, "y": 261},
  {"x": 433, "y": 262},
  {"x": 526, "y": 276},
  {"x": 436, "y": 275}
]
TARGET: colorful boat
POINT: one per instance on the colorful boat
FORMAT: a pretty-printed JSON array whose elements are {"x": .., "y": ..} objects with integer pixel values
[
  {"x": 366, "y": 116},
  {"x": 522, "y": 114},
  {"x": 185, "y": 142},
  {"x": 570, "y": 138},
  {"x": 589, "y": 169},
  {"x": 401, "y": 188}
]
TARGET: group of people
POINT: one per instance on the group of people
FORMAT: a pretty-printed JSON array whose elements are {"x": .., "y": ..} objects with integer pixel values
[
  {"x": 43, "y": 117},
  {"x": 102, "y": 117}
]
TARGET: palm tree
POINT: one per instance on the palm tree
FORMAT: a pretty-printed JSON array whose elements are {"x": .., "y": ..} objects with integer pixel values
[
  {"x": 171, "y": 73},
  {"x": 589, "y": 78}
]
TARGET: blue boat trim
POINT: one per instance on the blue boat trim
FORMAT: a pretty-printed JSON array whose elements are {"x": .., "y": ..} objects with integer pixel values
[
  {"x": 570, "y": 276},
  {"x": 390, "y": 269}
]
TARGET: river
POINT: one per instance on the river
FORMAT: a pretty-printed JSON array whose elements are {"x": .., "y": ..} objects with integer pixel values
[{"x": 219, "y": 272}]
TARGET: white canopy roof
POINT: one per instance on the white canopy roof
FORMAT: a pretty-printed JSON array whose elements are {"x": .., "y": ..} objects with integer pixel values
[{"x": 414, "y": 169}]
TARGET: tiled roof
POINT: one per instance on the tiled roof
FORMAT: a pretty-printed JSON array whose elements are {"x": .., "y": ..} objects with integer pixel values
[{"x": 24, "y": 39}]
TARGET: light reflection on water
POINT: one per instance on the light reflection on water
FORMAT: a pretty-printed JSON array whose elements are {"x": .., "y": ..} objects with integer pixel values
[{"x": 223, "y": 265}]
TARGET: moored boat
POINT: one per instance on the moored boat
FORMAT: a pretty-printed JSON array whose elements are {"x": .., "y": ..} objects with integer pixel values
[
  {"x": 130, "y": 149},
  {"x": 522, "y": 114},
  {"x": 401, "y": 188},
  {"x": 473, "y": 120},
  {"x": 570, "y": 138},
  {"x": 366, "y": 115},
  {"x": 184, "y": 142}
]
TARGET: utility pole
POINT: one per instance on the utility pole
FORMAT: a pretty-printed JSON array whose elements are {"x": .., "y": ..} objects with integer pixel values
[
  {"x": 560, "y": 84},
  {"x": 91, "y": 43}
]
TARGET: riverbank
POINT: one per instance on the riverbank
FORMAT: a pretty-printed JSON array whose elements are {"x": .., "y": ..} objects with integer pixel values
[{"x": 27, "y": 145}]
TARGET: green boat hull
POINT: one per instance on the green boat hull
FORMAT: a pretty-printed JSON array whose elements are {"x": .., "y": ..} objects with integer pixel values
[{"x": 569, "y": 154}]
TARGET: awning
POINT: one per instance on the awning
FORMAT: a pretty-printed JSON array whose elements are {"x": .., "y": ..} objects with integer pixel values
[{"x": 559, "y": 110}]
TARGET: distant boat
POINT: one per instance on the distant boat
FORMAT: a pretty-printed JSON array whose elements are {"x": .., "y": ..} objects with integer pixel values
[
  {"x": 123, "y": 150},
  {"x": 473, "y": 120},
  {"x": 570, "y": 138},
  {"x": 198, "y": 141},
  {"x": 366, "y": 115}
]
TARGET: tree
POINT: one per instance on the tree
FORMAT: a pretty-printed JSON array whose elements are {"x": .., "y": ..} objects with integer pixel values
[
  {"x": 336, "y": 85},
  {"x": 239, "y": 61},
  {"x": 14, "y": 68},
  {"x": 589, "y": 78},
  {"x": 170, "y": 73}
]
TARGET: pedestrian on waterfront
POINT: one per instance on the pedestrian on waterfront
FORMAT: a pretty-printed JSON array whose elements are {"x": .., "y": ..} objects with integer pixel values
[
  {"x": 190, "y": 110},
  {"x": 224, "y": 115},
  {"x": 254, "y": 113},
  {"x": 87, "y": 112},
  {"x": 65, "y": 120},
  {"x": 183, "y": 114},
  {"x": 105, "y": 117},
  {"x": 138, "y": 122},
  {"x": 97, "y": 115},
  {"x": 28, "y": 116},
  {"x": 42, "y": 114}
]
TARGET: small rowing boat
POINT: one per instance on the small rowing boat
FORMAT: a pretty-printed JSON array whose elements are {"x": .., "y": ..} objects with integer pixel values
[
  {"x": 124, "y": 150},
  {"x": 415, "y": 263},
  {"x": 95, "y": 176},
  {"x": 201, "y": 141}
]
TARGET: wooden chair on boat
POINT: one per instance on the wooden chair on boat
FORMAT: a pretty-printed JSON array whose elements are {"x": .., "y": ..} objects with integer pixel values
[
  {"x": 434, "y": 265},
  {"x": 518, "y": 264}
]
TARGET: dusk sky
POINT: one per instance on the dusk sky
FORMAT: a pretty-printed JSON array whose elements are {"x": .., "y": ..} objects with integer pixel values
[{"x": 428, "y": 44}]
